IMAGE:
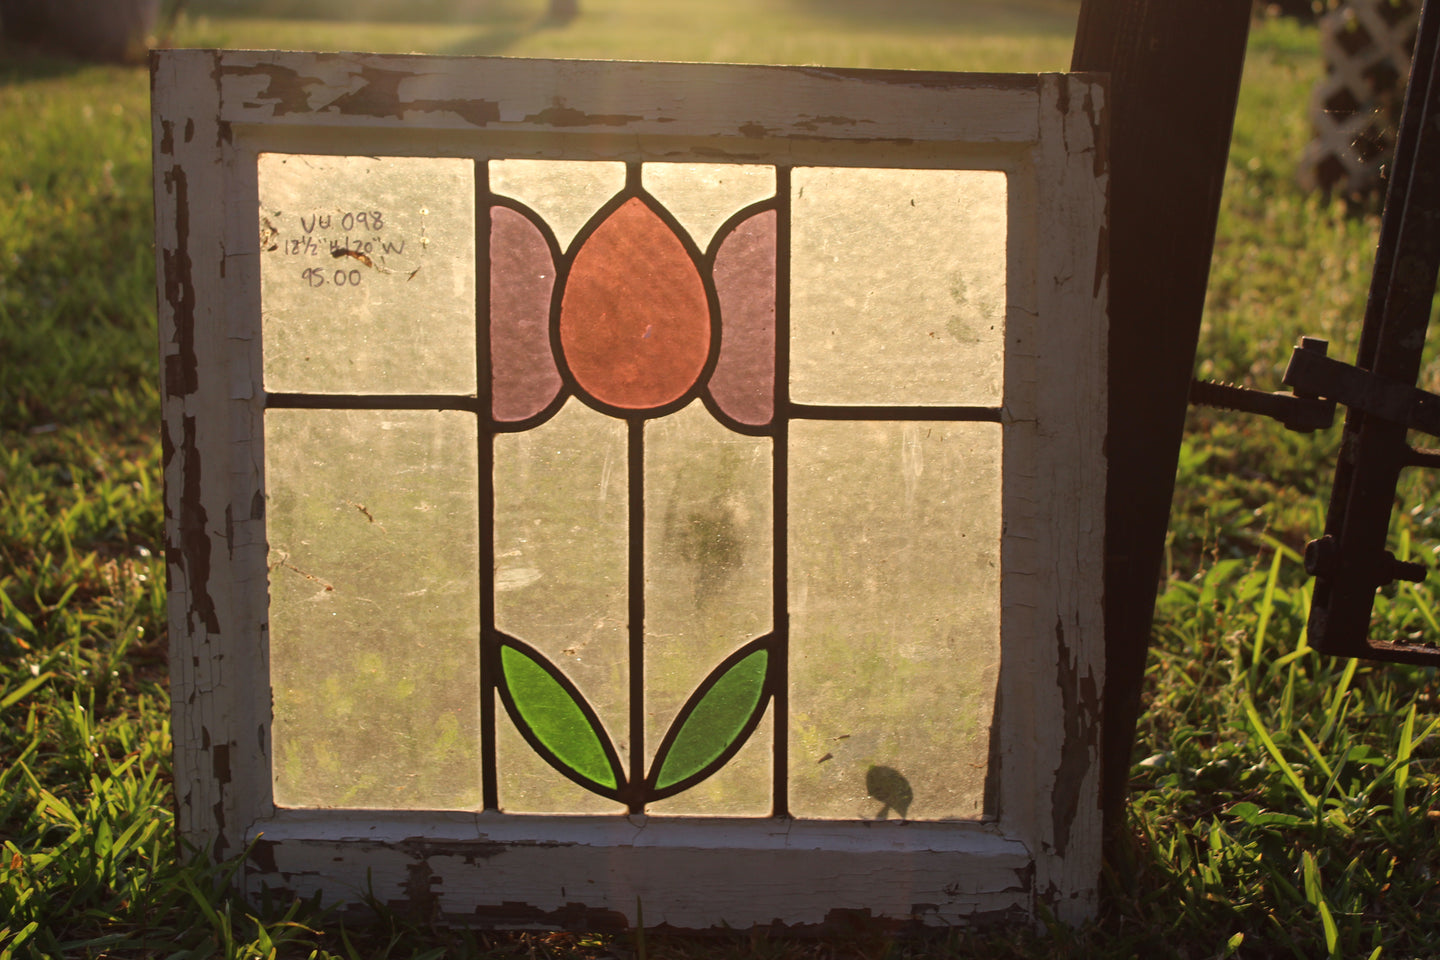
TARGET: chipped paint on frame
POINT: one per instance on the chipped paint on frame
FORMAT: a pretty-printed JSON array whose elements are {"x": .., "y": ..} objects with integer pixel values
[{"x": 214, "y": 112}]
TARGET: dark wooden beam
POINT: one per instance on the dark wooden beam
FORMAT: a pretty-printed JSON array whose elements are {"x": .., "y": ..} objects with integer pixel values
[{"x": 1174, "y": 70}]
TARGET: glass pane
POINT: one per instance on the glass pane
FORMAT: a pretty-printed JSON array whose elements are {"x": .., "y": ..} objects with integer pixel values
[
  {"x": 367, "y": 274},
  {"x": 372, "y": 520},
  {"x": 566, "y": 193},
  {"x": 522, "y": 276},
  {"x": 530, "y": 785},
  {"x": 741, "y": 788},
  {"x": 708, "y": 588},
  {"x": 894, "y": 617},
  {"x": 897, "y": 286},
  {"x": 561, "y": 576},
  {"x": 702, "y": 196},
  {"x": 743, "y": 383}
]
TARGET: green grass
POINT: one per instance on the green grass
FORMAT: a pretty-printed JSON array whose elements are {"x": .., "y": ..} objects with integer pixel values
[
  {"x": 982, "y": 35},
  {"x": 1284, "y": 804}
]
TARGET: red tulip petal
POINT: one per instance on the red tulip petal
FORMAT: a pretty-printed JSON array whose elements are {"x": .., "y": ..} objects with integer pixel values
[{"x": 634, "y": 320}]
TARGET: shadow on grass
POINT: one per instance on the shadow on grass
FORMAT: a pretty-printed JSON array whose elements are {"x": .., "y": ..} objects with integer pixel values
[
  {"x": 380, "y": 38},
  {"x": 285, "y": 24},
  {"x": 455, "y": 12},
  {"x": 24, "y": 64},
  {"x": 489, "y": 43},
  {"x": 1003, "y": 17}
]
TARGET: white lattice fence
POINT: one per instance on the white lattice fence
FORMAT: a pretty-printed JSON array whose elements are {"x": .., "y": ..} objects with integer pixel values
[{"x": 1355, "y": 109}]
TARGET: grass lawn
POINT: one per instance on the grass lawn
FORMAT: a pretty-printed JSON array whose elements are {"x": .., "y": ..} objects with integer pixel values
[
  {"x": 1015, "y": 35},
  {"x": 1283, "y": 804}
]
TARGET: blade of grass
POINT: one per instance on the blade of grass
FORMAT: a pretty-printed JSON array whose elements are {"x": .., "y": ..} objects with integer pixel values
[
  {"x": 25, "y": 689},
  {"x": 1258, "y": 726},
  {"x": 1337, "y": 700},
  {"x": 1267, "y": 605},
  {"x": 1417, "y": 597},
  {"x": 1402, "y": 765}
]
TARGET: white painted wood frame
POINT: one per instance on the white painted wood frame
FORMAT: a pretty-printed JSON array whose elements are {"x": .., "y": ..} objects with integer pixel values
[{"x": 1039, "y": 847}]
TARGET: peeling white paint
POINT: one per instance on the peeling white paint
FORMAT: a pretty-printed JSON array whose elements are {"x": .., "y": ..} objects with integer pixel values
[{"x": 215, "y": 112}]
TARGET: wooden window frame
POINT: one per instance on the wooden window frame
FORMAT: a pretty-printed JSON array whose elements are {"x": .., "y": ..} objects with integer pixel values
[{"x": 215, "y": 112}]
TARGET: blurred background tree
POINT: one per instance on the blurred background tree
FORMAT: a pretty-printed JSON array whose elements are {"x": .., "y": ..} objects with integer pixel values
[{"x": 115, "y": 30}]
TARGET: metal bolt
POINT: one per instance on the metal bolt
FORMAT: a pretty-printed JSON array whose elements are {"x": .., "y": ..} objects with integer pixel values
[{"x": 1393, "y": 569}]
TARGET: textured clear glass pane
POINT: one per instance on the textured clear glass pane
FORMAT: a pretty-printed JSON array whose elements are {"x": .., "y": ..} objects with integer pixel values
[
  {"x": 372, "y": 520},
  {"x": 897, "y": 286},
  {"x": 566, "y": 193},
  {"x": 367, "y": 274},
  {"x": 708, "y": 589},
  {"x": 530, "y": 785},
  {"x": 894, "y": 580},
  {"x": 702, "y": 196},
  {"x": 561, "y": 576}
]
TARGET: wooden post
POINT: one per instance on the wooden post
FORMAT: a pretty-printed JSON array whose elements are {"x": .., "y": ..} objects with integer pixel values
[{"x": 1174, "y": 70}]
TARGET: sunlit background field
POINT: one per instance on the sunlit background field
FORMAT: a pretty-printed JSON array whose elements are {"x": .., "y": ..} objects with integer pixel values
[
  {"x": 1028, "y": 35},
  {"x": 1283, "y": 804}
]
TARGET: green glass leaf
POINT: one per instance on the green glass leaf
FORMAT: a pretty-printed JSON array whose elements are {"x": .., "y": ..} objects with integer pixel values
[
  {"x": 709, "y": 726},
  {"x": 555, "y": 718}
]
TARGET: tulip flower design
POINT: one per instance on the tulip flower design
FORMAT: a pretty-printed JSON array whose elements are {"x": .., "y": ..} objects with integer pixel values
[{"x": 635, "y": 322}]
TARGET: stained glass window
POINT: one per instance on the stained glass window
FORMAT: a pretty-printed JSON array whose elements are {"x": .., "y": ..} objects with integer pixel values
[
  {"x": 593, "y": 483},
  {"x": 719, "y": 532}
]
